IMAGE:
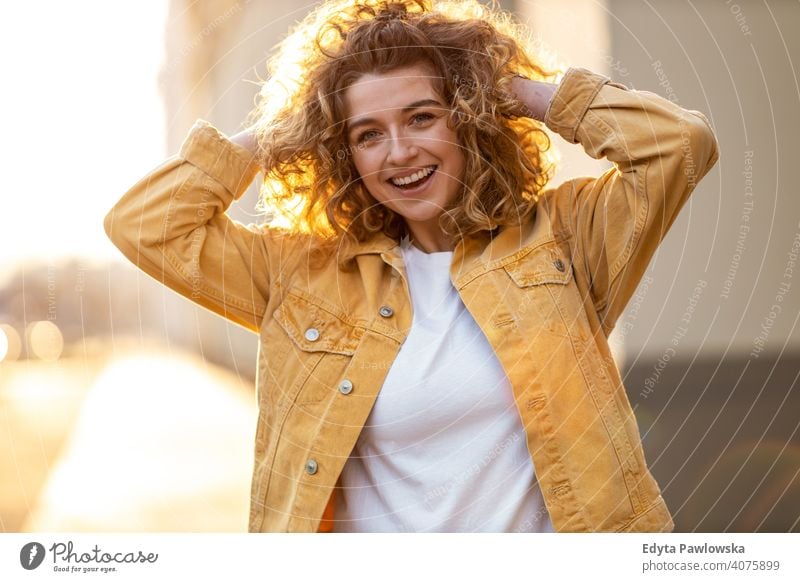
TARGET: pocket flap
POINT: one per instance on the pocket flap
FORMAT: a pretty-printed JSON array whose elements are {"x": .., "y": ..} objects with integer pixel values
[
  {"x": 315, "y": 329},
  {"x": 544, "y": 264}
]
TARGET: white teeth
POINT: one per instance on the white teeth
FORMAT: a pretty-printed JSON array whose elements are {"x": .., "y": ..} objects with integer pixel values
[{"x": 413, "y": 177}]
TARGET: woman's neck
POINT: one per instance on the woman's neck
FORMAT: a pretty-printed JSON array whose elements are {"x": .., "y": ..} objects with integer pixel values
[{"x": 430, "y": 242}]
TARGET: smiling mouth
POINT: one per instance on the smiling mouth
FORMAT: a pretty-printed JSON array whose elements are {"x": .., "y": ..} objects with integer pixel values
[{"x": 414, "y": 180}]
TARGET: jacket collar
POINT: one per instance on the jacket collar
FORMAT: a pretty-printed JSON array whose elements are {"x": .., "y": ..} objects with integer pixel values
[
  {"x": 378, "y": 243},
  {"x": 471, "y": 255},
  {"x": 466, "y": 254}
]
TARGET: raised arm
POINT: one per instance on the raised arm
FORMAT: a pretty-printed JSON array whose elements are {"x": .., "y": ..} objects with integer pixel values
[
  {"x": 616, "y": 221},
  {"x": 246, "y": 140},
  {"x": 172, "y": 225}
]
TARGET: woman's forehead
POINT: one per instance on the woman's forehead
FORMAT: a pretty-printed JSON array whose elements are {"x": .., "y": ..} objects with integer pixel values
[{"x": 391, "y": 91}]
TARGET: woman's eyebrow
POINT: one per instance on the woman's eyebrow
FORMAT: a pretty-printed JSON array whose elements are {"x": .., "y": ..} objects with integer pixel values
[{"x": 408, "y": 108}]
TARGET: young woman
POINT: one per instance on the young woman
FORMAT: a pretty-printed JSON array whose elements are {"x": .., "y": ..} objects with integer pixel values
[{"x": 433, "y": 320}]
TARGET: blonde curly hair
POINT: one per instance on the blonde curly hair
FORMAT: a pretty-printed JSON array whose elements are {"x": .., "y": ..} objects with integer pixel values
[{"x": 310, "y": 180}]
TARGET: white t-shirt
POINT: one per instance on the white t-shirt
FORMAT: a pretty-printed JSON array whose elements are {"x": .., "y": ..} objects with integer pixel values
[{"x": 443, "y": 449}]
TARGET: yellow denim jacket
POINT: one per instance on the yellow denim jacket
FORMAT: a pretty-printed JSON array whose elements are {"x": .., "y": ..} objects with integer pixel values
[{"x": 546, "y": 295}]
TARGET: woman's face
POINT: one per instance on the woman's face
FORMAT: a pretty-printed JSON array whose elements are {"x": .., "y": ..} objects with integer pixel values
[{"x": 406, "y": 155}]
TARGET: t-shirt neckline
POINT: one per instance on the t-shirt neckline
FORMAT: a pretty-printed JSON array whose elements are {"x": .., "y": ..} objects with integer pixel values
[{"x": 407, "y": 245}]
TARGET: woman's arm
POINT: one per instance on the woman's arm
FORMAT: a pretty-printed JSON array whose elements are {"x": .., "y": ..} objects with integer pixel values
[
  {"x": 247, "y": 140},
  {"x": 615, "y": 222},
  {"x": 534, "y": 96},
  {"x": 172, "y": 225}
]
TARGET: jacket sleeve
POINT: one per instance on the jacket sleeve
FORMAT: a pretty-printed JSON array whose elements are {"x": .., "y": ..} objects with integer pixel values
[
  {"x": 172, "y": 225},
  {"x": 617, "y": 220}
]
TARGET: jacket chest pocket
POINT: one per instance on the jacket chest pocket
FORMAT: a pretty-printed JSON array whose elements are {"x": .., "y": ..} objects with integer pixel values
[
  {"x": 541, "y": 297},
  {"x": 307, "y": 349}
]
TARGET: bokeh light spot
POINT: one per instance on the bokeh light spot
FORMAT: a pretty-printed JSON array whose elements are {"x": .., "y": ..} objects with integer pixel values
[
  {"x": 45, "y": 340},
  {"x": 10, "y": 343}
]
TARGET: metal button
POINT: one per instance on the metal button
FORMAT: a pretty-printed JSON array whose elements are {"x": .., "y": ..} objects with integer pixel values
[
  {"x": 345, "y": 386},
  {"x": 312, "y": 334},
  {"x": 311, "y": 466},
  {"x": 559, "y": 265},
  {"x": 386, "y": 311}
]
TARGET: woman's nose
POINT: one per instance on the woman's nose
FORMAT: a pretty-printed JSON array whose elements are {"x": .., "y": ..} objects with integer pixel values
[{"x": 401, "y": 150}]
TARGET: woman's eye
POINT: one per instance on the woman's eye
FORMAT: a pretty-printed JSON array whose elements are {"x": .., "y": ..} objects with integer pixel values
[
  {"x": 420, "y": 118},
  {"x": 368, "y": 135}
]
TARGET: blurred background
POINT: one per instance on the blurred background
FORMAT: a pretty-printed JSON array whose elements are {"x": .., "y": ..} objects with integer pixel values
[{"x": 123, "y": 407}]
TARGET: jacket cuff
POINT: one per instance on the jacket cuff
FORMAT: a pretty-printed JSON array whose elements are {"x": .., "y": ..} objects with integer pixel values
[
  {"x": 571, "y": 100},
  {"x": 211, "y": 151}
]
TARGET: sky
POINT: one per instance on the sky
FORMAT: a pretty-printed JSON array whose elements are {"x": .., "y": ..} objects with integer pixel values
[{"x": 83, "y": 120}]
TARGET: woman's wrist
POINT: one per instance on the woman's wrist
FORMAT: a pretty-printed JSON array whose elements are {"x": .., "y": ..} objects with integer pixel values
[
  {"x": 246, "y": 139},
  {"x": 534, "y": 96}
]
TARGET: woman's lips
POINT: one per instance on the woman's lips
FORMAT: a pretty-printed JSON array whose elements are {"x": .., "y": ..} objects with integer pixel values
[{"x": 417, "y": 187}]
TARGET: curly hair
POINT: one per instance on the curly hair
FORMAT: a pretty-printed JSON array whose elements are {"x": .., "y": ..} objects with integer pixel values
[{"x": 311, "y": 183}]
